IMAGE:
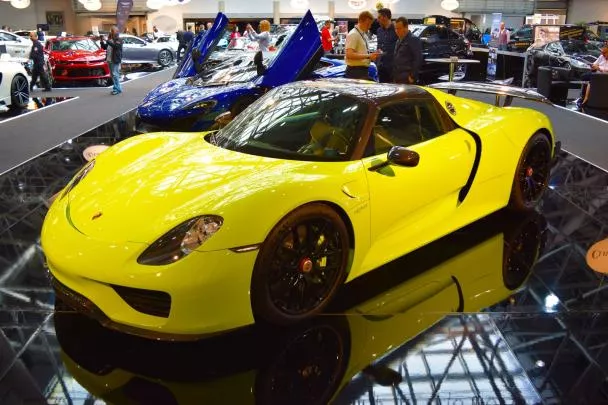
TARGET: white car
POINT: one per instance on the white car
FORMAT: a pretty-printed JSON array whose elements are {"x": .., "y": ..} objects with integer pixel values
[
  {"x": 169, "y": 40},
  {"x": 16, "y": 46},
  {"x": 14, "y": 83},
  {"x": 136, "y": 50}
]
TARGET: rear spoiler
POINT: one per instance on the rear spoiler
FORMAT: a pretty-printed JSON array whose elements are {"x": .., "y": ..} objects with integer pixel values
[{"x": 499, "y": 90}]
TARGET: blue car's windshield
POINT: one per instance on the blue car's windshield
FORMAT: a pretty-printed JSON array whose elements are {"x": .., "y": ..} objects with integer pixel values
[{"x": 297, "y": 123}]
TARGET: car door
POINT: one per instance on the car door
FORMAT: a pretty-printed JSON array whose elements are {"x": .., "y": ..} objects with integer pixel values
[
  {"x": 14, "y": 45},
  {"x": 410, "y": 203},
  {"x": 134, "y": 49}
]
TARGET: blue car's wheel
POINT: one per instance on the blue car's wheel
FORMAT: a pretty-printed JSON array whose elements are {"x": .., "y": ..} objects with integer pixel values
[
  {"x": 300, "y": 266},
  {"x": 532, "y": 173}
]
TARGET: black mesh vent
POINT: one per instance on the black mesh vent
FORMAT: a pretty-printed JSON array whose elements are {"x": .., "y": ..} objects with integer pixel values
[{"x": 156, "y": 303}]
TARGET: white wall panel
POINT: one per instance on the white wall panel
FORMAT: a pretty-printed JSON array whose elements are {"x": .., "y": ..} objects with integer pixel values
[
  {"x": 587, "y": 10},
  {"x": 27, "y": 18}
]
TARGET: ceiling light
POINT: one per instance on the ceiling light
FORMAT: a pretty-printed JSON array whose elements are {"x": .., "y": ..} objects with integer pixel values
[
  {"x": 20, "y": 3},
  {"x": 92, "y": 5},
  {"x": 156, "y": 4},
  {"x": 450, "y": 5}
]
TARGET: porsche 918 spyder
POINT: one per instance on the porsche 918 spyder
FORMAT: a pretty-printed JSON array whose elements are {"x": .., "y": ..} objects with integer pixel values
[{"x": 179, "y": 235}]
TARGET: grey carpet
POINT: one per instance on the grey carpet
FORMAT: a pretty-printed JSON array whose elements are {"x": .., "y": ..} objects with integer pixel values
[{"x": 28, "y": 136}]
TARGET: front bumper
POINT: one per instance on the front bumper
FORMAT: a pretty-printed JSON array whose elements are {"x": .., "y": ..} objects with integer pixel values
[
  {"x": 209, "y": 291},
  {"x": 81, "y": 71}
]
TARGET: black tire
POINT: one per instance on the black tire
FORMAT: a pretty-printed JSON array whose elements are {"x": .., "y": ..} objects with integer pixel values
[
  {"x": 532, "y": 174},
  {"x": 300, "y": 266},
  {"x": 165, "y": 57},
  {"x": 20, "y": 92}
]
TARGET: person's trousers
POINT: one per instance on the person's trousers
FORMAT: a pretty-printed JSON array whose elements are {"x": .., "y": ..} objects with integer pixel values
[
  {"x": 115, "y": 70},
  {"x": 357, "y": 72},
  {"x": 38, "y": 71},
  {"x": 385, "y": 74}
]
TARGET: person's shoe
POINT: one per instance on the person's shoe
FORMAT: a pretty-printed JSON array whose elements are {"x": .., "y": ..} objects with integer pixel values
[{"x": 114, "y": 92}]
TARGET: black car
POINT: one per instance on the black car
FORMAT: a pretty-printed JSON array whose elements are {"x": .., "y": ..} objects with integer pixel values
[
  {"x": 574, "y": 55},
  {"x": 438, "y": 41},
  {"x": 523, "y": 38}
]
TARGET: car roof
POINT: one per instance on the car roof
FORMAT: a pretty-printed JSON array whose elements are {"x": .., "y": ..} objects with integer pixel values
[
  {"x": 75, "y": 38},
  {"x": 365, "y": 90}
]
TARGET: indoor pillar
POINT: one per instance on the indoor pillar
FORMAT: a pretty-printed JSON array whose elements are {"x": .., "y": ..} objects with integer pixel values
[
  {"x": 276, "y": 12},
  {"x": 331, "y": 9},
  {"x": 221, "y": 6}
]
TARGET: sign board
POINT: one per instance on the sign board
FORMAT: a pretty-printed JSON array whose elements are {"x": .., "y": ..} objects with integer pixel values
[{"x": 597, "y": 257}]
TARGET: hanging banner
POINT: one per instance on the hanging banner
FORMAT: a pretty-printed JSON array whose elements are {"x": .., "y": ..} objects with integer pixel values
[{"x": 123, "y": 9}]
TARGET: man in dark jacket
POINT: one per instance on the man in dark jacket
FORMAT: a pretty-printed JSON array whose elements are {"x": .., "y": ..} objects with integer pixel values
[
  {"x": 37, "y": 57},
  {"x": 408, "y": 54},
  {"x": 113, "y": 47},
  {"x": 387, "y": 38}
]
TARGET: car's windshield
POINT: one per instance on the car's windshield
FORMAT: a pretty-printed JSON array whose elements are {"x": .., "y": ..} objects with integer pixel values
[
  {"x": 75, "y": 45},
  {"x": 580, "y": 47},
  {"x": 417, "y": 29},
  {"x": 297, "y": 123}
]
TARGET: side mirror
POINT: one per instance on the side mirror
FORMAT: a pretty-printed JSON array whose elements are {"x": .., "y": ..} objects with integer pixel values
[
  {"x": 402, "y": 156},
  {"x": 258, "y": 61}
]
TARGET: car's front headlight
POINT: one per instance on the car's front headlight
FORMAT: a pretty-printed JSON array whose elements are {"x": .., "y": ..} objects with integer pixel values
[
  {"x": 202, "y": 105},
  {"x": 579, "y": 64},
  {"x": 181, "y": 240}
]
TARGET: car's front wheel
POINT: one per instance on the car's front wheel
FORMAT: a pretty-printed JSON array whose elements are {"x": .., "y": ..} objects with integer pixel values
[
  {"x": 532, "y": 173},
  {"x": 20, "y": 92},
  {"x": 300, "y": 266},
  {"x": 165, "y": 57}
]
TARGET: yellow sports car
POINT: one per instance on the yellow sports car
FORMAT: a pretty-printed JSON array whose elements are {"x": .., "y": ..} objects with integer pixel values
[
  {"x": 326, "y": 360},
  {"x": 181, "y": 235}
]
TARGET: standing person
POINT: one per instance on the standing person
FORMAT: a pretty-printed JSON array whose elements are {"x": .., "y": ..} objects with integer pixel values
[
  {"x": 387, "y": 38},
  {"x": 326, "y": 38},
  {"x": 234, "y": 35},
  {"x": 40, "y": 35},
  {"x": 156, "y": 33},
  {"x": 408, "y": 54},
  {"x": 37, "y": 57},
  {"x": 113, "y": 47},
  {"x": 181, "y": 43},
  {"x": 188, "y": 38},
  {"x": 263, "y": 38},
  {"x": 357, "y": 55},
  {"x": 503, "y": 37}
]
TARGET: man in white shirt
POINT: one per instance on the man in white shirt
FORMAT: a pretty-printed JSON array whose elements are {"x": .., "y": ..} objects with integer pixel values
[
  {"x": 357, "y": 55},
  {"x": 599, "y": 66}
]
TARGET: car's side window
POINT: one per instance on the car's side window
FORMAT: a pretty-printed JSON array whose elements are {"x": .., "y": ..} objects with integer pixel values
[
  {"x": 404, "y": 124},
  {"x": 127, "y": 40}
]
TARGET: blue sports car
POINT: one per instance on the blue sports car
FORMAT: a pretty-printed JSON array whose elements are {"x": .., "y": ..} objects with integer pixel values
[{"x": 198, "y": 94}]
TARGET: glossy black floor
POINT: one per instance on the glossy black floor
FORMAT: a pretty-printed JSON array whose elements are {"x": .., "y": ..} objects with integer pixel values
[{"x": 505, "y": 311}]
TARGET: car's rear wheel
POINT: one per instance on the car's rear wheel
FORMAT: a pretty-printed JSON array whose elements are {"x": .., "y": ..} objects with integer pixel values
[
  {"x": 20, "y": 92},
  {"x": 165, "y": 57},
  {"x": 300, "y": 265},
  {"x": 532, "y": 173}
]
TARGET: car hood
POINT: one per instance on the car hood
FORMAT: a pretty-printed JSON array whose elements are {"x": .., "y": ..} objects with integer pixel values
[
  {"x": 297, "y": 57},
  {"x": 165, "y": 101},
  {"x": 205, "y": 42},
  {"x": 143, "y": 187},
  {"x": 78, "y": 56}
]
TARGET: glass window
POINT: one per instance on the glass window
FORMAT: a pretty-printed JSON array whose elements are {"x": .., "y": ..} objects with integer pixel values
[
  {"x": 297, "y": 123},
  {"x": 5, "y": 36},
  {"x": 404, "y": 124},
  {"x": 429, "y": 32}
]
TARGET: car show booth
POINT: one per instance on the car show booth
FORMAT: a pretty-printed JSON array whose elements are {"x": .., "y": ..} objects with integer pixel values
[{"x": 244, "y": 223}]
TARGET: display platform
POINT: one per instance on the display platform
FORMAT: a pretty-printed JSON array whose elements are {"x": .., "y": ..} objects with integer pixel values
[
  {"x": 505, "y": 310},
  {"x": 129, "y": 72},
  {"x": 36, "y": 103}
]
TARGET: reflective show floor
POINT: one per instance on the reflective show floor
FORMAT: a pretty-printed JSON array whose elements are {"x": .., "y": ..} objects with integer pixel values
[
  {"x": 36, "y": 103},
  {"x": 505, "y": 311}
]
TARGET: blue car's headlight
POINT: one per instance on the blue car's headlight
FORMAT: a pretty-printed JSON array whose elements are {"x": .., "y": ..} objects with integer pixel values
[
  {"x": 181, "y": 240},
  {"x": 202, "y": 105}
]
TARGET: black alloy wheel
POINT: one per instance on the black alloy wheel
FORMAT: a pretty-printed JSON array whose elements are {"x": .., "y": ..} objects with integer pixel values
[
  {"x": 532, "y": 174},
  {"x": 165, "y": 57},
  {"x": 20, "y": 92},
  {"x": 300, "y": 265},
  {"x": 521, "y": 252}
]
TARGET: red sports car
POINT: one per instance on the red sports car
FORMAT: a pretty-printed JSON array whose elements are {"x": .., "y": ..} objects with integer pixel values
[{"x": 77, "y": 58}]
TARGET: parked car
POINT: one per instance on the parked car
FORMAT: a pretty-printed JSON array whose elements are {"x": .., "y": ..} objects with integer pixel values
[
  {"x": 77, "y": 59},
  {"x": 16, "y": 46},
  {"x": 14, "y": 83},
  {"x": 574, "y": 55},
  {"x": 268, "y": 217},
  {"x": 194, "y": 103},
  {"x": 137, "y": 50},
  {"x": 439, "y": 41}
]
